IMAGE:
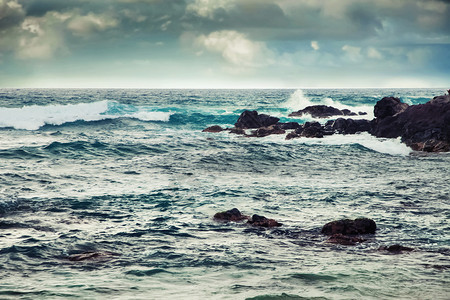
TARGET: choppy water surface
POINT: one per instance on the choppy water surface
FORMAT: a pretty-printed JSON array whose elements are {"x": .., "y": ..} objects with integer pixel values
[{"x": 129, "y": 172}]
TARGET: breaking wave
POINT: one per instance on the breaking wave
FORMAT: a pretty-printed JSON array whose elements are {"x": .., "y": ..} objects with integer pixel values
[{"x": 35, "y": 116}]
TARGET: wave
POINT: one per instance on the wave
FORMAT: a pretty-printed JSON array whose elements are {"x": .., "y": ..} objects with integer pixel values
[
  {"x": 35, "y": 116},
  {"x": 298, "y": 101}
]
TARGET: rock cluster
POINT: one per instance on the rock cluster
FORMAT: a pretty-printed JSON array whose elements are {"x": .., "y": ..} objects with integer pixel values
[
  {"x": 236, "y": 216},
  {"x": 323, "y": 111},
  {"x": 423, "y": 127}
]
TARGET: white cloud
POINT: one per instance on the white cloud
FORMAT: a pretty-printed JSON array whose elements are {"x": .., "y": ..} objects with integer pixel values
[
  {"x": 374, "y": 53},
  {"x": 90, "y": 23},
  {"x": 41, "y": 38},
  {"x": 315, "y": 45},
  {"x": 352, "y": 53},
  {"x": 236, "y": 48},
  {"x": 206, "y": 8}
]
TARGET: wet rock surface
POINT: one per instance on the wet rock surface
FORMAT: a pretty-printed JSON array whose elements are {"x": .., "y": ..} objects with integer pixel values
[
  {"x": 396, "y": 249},
  {"x": 93, "y": 256},
  {"x": 350, "y": 227},
  {"x": 230, "y": 215},
  {"x": 251, "y": 119},
  {"x": 261, "y": 221}
]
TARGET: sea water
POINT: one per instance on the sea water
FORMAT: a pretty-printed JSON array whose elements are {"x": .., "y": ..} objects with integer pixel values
[{"x": 130, "y": 172}]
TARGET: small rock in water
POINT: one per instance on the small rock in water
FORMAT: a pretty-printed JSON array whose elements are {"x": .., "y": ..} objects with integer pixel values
[
  {"x": 215, "y": 128},
  {"x": 350, "y": 227},
  {"x": 262, "y": 221},
  {"x": 230, "y": 215},
  {"x": 396, "y": 249},
  {"x": 251, "y": 119}
]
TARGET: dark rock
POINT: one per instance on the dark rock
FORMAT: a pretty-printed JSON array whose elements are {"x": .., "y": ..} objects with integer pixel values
[
  {"x": 348, "y": 112},
  {"x": 289, "y": 125},
  {"x": 292, "y": 135},
  {"x": 236, "y": 130},
  {"x": 322, "y": 111},
  {"x": 341, "y": 239},
  {"x": 215, "y": 128},
  {"x": 91, "y": 255},
  {"x": 257, "y": 220},
  {"x": 396, "y": 249},
  {"x": 230, "y": 215},
  {"x": 265, "y": 131},
  {"x": 349, "y": 126},
  {"x": 350, "y": 227},
  {"x": 389, "y": 106},
  {"x": 423, "y": 127},
  {"x": 362, "y": 113},
  {"x": 251, "y": 119}
]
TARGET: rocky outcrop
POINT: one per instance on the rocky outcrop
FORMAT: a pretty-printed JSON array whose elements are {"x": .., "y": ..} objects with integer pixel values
[
  {"x": 251, "y": 119},
  {"x": 388, "y": 106},
  {"x": 261, "y": 221},
  {"x": 230, "y": 215},
  {"x": 215, "y": 128},
  {"x": 322, "y": 111},
  {"x": 350, "y": 227},
  {"x": 423, "y": 127}
]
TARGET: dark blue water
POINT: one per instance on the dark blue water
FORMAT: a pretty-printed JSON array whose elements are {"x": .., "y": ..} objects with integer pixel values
[{"x": 128, "y": 173}]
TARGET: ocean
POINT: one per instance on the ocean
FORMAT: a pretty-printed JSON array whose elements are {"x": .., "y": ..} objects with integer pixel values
[{"x": 129, "y": 173}]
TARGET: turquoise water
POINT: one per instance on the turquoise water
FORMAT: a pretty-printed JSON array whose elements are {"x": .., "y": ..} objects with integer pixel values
[{"x": 130, "y": 172}]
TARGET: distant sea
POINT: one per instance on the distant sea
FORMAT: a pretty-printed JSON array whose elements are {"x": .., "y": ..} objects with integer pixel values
[{"x": 130, "y": 174}]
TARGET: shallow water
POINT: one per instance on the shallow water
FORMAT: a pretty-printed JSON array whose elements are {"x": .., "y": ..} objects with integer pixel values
[{"x": 130, "y": 172}]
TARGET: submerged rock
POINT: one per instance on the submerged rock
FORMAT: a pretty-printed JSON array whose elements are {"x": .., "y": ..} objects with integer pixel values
[
  {"x": 251, "y": 119},
  {"x": 230, "y": 215},
  {"x": 322, "y": 111},
  {"x": 341, "y": 239},
  {"x": 396, "y": 249},
  {"x": 257, "y": 220},
  {"x": 350, "y": 227},
  {"x": 92, "y": 255},
  {"x": 215, "y": 128}
]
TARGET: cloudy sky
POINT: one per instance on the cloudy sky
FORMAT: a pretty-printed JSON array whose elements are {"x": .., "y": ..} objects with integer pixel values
[{"x": 224, "y": 43}]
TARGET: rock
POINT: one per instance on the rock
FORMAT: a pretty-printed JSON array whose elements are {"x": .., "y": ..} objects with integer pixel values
[
  {"x": 236, "y": 130},
  {"x": 265, "y": 131},
  {"x": 251, "y": 119},
  {"x": 341, "y": 239},
  {"x": 389, "y": 106},
  {"x": 292, "y": 135},
  {"x": 362, "y": 113},
  {"x": 91, "y": 255},
  {"x": 396, "y": 249},
  {"x": 257, "y": 220},
  {"x": 215, "y": 128},
  {"x": 322, "y": 111},
  {"x": 349, "y": 126},
  {"x": 350, "y": 227},
  {"x": 423, "y": 127},
  {"x": 230, "y": 215},
  {"x": 289, "y": 125}
]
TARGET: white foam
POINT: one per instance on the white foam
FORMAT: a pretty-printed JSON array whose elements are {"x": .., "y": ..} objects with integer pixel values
[
  {"x": 382, "y": 145},
  {"x": 34, "y": 117}
]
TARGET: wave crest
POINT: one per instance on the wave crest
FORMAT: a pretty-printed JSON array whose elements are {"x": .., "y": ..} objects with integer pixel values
[{"x": 35, "y": 116}]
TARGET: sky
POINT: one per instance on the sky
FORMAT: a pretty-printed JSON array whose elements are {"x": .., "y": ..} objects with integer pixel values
[{"x": 224, "y": 43}]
